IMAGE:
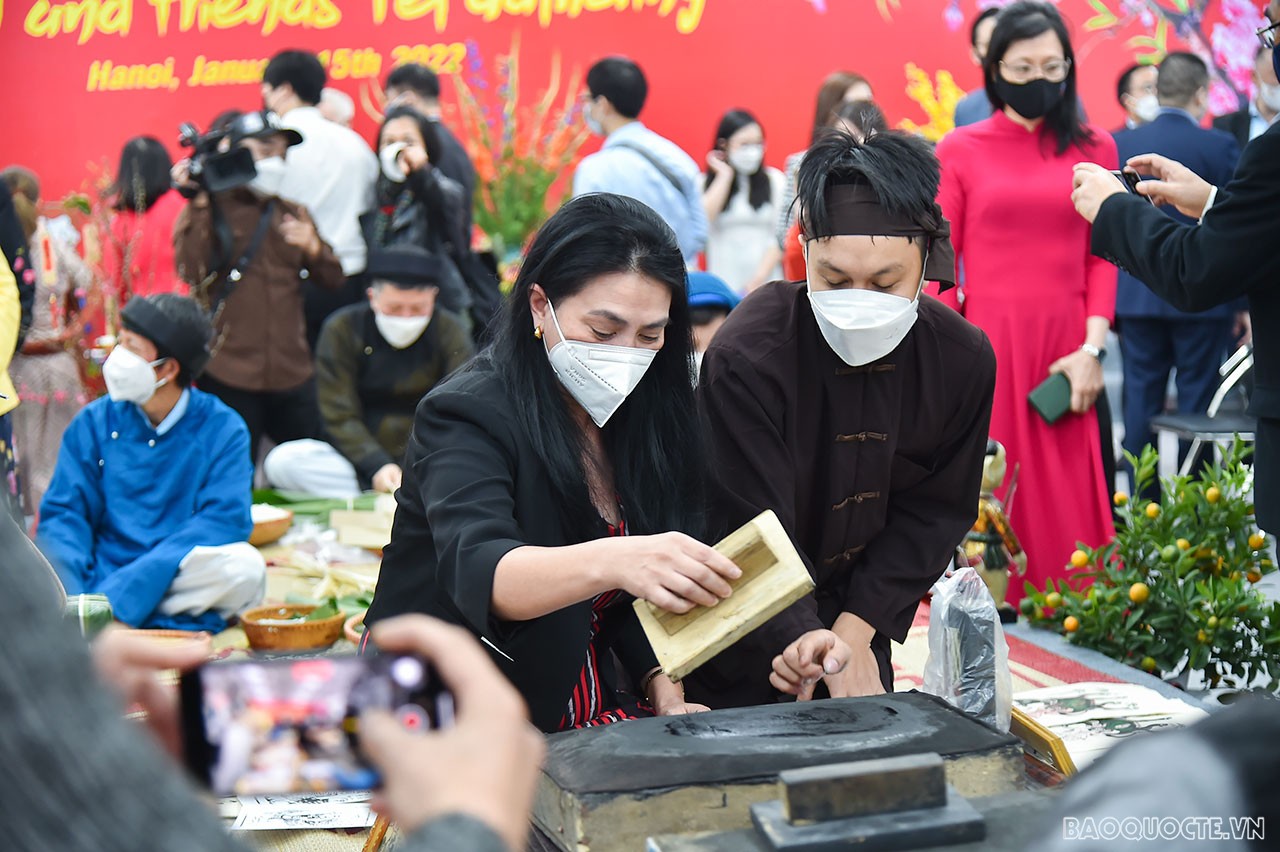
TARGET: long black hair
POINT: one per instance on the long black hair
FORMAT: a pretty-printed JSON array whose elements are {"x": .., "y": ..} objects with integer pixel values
[
  {"x": 760, "y": 191},
  {"x": 653, "y": 440},
  {"x": 1028, "y": 19},
  {"x": 143, "y": 175}
]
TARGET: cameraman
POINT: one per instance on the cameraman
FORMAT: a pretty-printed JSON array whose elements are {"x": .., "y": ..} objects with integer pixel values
[
  {"x": 1229, "y": 253},
  {"x": 247, "y": 255}
]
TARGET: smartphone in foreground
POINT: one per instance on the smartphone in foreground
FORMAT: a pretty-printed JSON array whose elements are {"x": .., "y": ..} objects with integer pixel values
[
  {"x": 291, "y": 725},
  {"x": 1131, "y": 181}
]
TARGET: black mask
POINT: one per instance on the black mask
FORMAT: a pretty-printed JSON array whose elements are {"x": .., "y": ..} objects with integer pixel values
[{"x": 1030, "y": 100}]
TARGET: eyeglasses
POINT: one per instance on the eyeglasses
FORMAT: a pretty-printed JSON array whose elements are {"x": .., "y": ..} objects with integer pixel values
[
  {"x": 1054, "y": 71},
  {"x": 1267, "y": 35}
]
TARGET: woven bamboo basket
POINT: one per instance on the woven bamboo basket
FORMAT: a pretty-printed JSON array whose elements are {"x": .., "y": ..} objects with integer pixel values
[{"x": 296, "y": 636}]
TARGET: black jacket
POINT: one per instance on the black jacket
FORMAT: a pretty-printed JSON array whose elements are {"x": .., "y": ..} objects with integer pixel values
[
  {"x": 473, "y": 491},
  {"x": 1237, "y": 124},
  {"x": 1231, "y": 253}
]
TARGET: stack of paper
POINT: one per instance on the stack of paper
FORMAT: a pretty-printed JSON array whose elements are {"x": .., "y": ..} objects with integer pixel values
[
  {"x": 306, "y": 811},
  {"x": 1090, "y": 718}
]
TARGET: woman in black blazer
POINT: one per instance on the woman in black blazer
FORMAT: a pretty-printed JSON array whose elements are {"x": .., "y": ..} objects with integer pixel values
[{"x": 560, "y": 474}]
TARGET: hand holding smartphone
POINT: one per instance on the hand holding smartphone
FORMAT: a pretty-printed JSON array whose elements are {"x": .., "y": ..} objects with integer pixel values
[
  {"x": 1131, "y": 181},
  {"x": 291, "y": 725}
]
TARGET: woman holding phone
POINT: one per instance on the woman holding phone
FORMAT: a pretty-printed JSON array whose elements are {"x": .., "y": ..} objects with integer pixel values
[
  {"x": 561, "y": 474},
  {"x": 1030, "y": 282}
]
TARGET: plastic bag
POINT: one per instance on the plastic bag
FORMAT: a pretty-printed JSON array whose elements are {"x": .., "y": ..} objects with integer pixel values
[{"x": 968, "y": 662}]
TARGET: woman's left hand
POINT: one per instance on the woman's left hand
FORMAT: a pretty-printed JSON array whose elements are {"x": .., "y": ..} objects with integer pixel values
[
  {"x": 1085, "y": 374},
  {"x": 667, "y": 698}
]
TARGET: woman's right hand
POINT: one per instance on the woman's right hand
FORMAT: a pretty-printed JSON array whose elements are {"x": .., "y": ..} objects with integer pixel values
[
  {"x": 719, "y": 164},
  {"x": 673, "y": 571},
  {"x": 413, "y": 158}
]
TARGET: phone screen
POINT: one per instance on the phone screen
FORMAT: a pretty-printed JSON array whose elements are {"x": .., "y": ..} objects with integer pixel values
[
  {"x": 291, "y": 725},
  {"x": 1131, "y": 181}
]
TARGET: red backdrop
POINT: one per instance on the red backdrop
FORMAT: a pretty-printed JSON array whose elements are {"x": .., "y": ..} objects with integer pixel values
[{"x": 701, "y": 56}]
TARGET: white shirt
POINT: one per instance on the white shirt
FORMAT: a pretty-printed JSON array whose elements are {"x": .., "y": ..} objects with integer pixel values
[
  {"x": 1257, "y": 124},
  {"x": 331, "y": 173},
  {"x": 741, "y": 234}
]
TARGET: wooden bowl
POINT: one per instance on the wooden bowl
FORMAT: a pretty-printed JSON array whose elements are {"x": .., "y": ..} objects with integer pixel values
[
  {"x": 295, "y": 636},
  {"x": 353, "y": 629},
  {"x": 269, "y": 531}
]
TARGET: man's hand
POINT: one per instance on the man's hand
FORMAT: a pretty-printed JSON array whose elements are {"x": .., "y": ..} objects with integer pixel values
[
  {"x": 388, "y": 478},
  {"x": 1243, "y": 329},
  {"x": 129, "y": 664},
  {"x": 485, "y": 766},
  {"x": 860, "y": 677},
  {"x": 1092, "y": 185},
  {"x": 816, "y": 654},
  {"x": 1084, "y": 372},
  {"x": 180, "y": 175},
  {"x": 302, "y": 234},
  {"x": 1174, "y": 184}
]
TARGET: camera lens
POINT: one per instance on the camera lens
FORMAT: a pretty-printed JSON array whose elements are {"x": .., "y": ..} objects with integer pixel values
[{"x": 407, "y": 672}]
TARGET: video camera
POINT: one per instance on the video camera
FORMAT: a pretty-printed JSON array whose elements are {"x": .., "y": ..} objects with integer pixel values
[{"x": 215, "y": 170}]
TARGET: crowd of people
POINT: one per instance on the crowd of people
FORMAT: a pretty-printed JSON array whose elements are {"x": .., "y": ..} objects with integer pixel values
[{"x": 305, "y": 308}]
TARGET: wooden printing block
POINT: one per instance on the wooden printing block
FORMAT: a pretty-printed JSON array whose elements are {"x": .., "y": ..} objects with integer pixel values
[
  {"x": 955, "y": 821},
  {"x": 610, "y": 788},
  {"x": 905, "y": 783},
  {"x": 773, "y": 578}
]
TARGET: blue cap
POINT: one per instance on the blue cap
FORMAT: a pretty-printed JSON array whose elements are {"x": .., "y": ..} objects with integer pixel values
[{"x": 707, "y": 290}]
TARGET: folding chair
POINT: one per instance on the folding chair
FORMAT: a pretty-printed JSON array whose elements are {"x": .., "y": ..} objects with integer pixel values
[{"x": 1225, "y": 419}]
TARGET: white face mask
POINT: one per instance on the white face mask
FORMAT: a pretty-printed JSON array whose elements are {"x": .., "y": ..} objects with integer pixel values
[
  {"x": 129, "y": 377},
  {"x": 389, "y": 157},
  {"x": 593, "y": 123},
  {"x": 400, "y": 332},
  {"x": 746, "y": 159},
  {"x": 270, "y": 174},
  {"x": 862, "y": 326},
  {"x": 1147, "y": 108},
  {"x": 598, "y": 375},
  {"x": 1270, "y": 96}
]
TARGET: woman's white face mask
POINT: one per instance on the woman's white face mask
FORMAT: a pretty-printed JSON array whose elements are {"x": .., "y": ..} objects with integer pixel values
[
  {"x": 862, "y": 326},
  {"x": 599, "y": 376}
]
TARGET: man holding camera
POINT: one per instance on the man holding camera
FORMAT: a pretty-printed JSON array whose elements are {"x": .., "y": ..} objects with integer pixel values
[
  {"x": 332, "y": 174},
  {"x": 1228, "y": 254},
  {"x": 247, "y": 255}
]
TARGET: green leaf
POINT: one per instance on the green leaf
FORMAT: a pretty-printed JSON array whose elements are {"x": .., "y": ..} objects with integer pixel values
[{"x": 328, "y": 609}]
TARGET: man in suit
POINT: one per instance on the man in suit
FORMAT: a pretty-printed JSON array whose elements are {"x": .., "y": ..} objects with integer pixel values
[
  {"x": 1230, "y": 253},
  {"x": 1136, "y": 92},
  {"x": 975, "y": 106},
  {"x": 1250, "y": 123},
  {"x": 1156, "y": 337}
]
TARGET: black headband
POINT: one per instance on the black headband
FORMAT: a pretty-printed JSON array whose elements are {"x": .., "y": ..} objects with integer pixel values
[
  {"x": 854, "y": 208},
  {"x": 182, "y": 343}
]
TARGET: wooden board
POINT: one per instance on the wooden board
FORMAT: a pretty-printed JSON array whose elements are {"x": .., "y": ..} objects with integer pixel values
[
  {"x": 773, "y": 578},
  {"x": 357, "y": 528}
]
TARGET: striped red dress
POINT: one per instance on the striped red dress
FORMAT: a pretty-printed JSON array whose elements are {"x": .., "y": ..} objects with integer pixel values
[{"x": 595, "y": 700}]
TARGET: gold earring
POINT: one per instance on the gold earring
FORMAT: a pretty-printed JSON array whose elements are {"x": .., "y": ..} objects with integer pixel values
[{"x": 537, "y": 332}]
